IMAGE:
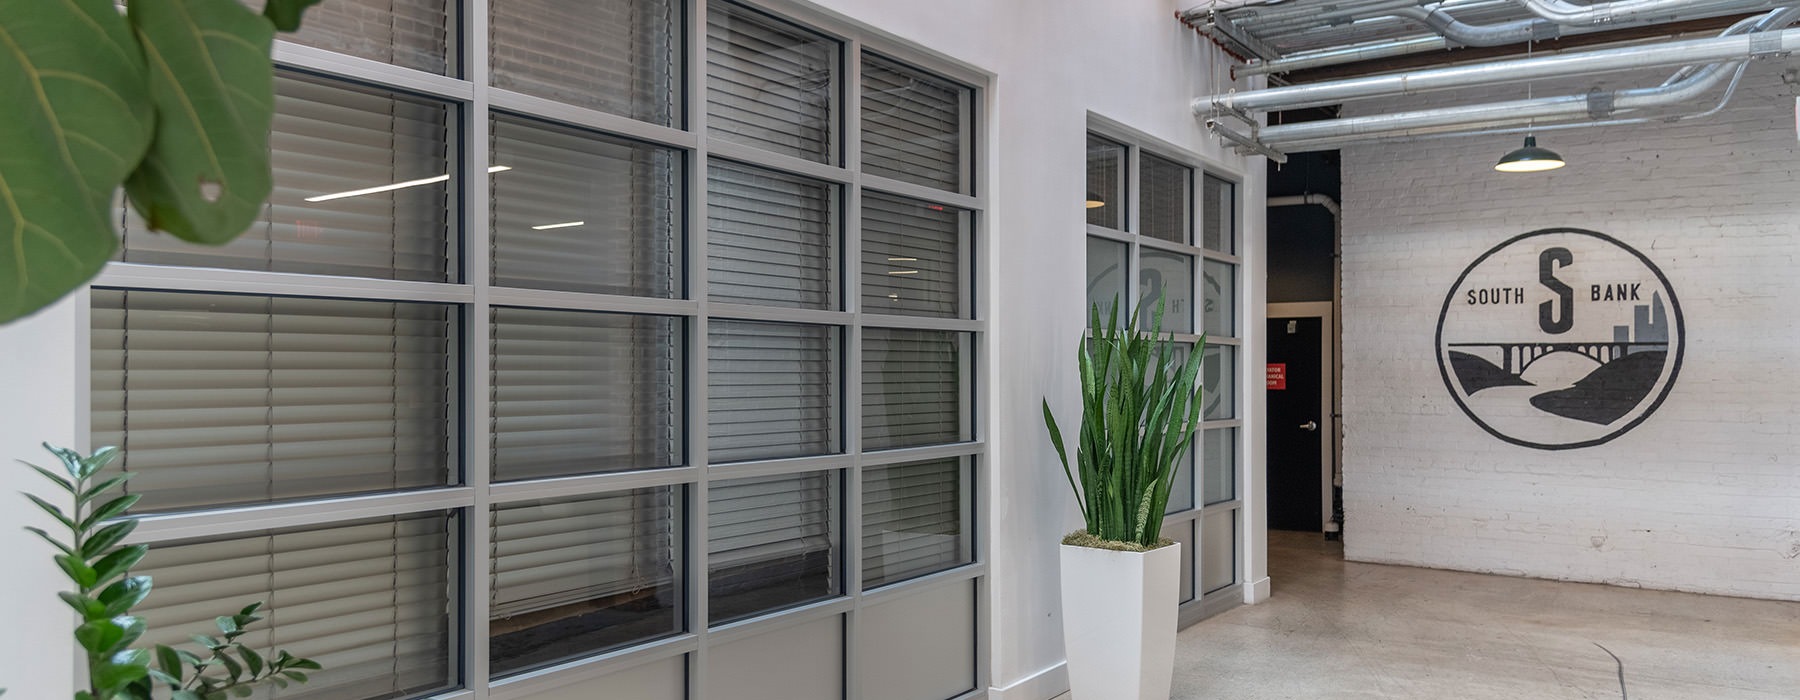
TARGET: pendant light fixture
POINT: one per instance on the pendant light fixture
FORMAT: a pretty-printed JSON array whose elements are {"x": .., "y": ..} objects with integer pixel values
[
  {"x": 1529, "y": 158},
  {"x": 1094, "y": 201}
]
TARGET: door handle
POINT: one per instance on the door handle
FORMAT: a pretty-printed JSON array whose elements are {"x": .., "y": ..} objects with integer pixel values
[{"x": 1310, "y": 426}]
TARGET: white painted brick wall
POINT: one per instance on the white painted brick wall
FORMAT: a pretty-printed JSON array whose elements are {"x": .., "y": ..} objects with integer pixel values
[{"x": 1703, "y": 496}]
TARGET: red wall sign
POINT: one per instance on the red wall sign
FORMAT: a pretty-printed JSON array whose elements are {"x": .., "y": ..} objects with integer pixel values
[{"x": 1277, "y": 375}]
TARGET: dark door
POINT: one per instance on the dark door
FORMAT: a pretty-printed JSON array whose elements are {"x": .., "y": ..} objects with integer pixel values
[{"x": 1295, "y": 434}]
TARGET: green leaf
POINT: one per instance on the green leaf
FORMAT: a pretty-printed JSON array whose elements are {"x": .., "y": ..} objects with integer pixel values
[
  {"x": 251, "y": 608},
  {"x": 116, "y": 564},
  {"x": 87, "y": 608},
  {"x": 285, "y": 14},
  {"x": 53, "y": 541},
  {"x": 227, "y": 625},
  {"x": 92, "y": 464},
  {"x": 295, "y": 676},
  {"x": 233, "y": 669},
  {"x": 104, "y": 636},
  {"x": 169, "y": 661},
  {"x": 110, "y": 509},
  {"x": 242, "y": 691},
  {"x": 208, "y": 642},
  {"x": 252, "y": 660},
  {"x": 53, "y": 476},
  {"x": 103, "y": 487},
  {"x": 102, "y": 541},
  {"x": 78, "y": 571},
  {"x": 206, "y": 175},
  {"x": 307, "y": 664},
  {"x": 113, "y": 675},
  {"x": 120, "y": 597},
  {"x": 54, "y": 511},
  {"x": 75, "y": 119}
]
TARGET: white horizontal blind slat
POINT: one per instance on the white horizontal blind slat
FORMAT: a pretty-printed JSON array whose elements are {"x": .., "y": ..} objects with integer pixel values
[
  {"x": 760, "y": 528},
  {"x": 581, "y": 212},
  {"x": 547, "y": 555},
  {"x": 912, "y": 389},
  {"x": 617, "y": 56},
  {"x": 912, "y": 125},
  {"x": 770, "y": 84},
  {"x": 774, "y": 390},
  {"x": 581, "y": 393},
  {"x": 368, "y": 600},
  {"x": 771, "y": 238},
  {"x": 330, "y": 138},
  {"x": 220, "y": 399},
  {"x": 912, "y": 256},
  {"x": 912, "y": 520},
  {"x": 410, "y": 33}
]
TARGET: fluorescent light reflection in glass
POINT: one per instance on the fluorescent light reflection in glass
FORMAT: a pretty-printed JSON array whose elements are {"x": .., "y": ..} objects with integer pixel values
[
  {"x": 395, "y": 186},
  {"x": 565, "y": 224}
]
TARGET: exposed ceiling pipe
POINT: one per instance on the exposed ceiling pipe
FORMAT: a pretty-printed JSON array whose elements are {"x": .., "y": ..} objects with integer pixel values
[
  {"x": 1453, "y": 32},
  {"x": 1563, "y": 12},
  {"x": 1683, "y": 86},
  {"x": 1674, "y": 53}
]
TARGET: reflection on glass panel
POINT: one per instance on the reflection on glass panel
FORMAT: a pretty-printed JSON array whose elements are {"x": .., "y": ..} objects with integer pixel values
[
  {"x": 1219, "y": 464},
  {"x": 1219, "y": 290},
  {"x": 914, "y": 125},
  {"x": 225, "y": 399},
  {"x": 774, "y": 390},
  {"x": 1106, "y": 276},
  {"x": 1183, "y": 532},
  {"x": 363, "y": 187},
  {"x": 1167, "y": 278},
  {"x": 772, "y": 543},
  {"x": 770, "y": 84},
  {"x": 617, "y": 56},
  {"x": 1165, "y": 192},
  {"x": 579, "y": 576},
  {"x": 576, "y": 392},
  {"x": 408, "y": 33},
  {"x": 913, "y": 393},
  {"x": 579, "y": 212},
  {"x": 1218, "y": 549},
  {"x": 912, "y": 256},
  {"x": 915, "y": 520},
  {"x": 1218, "y": 202},
  {"x": 1181, "y": 488},
  {"x": 1218, "y": 374},
  {"x": 1105, "y": 183},
  {"x": 771, "y": 238},
  {"x": 373, "y": 601}
]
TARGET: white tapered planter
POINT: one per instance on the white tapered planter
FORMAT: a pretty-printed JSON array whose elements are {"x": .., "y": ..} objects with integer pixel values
[{"x": 1119, "y": 613}]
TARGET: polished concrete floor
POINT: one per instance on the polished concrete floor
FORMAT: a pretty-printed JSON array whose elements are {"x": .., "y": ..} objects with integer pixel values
[{"x": 1341, "y": 630}]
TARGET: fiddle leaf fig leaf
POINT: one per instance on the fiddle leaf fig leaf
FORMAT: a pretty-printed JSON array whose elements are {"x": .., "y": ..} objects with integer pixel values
[
  {"x": 206, "y": 175},
  {"x": 75, "y": 118},
  {"x": 285, "y": 14}
]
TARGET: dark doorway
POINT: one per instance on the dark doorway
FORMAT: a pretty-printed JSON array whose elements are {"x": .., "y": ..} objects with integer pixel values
[{"x": 1296, "y": 424}]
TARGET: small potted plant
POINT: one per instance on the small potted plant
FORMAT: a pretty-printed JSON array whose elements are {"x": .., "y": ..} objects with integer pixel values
[{"x": 1139, "y": 411}]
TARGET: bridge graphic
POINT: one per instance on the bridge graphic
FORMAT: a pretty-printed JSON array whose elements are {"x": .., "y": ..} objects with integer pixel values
[{"x": 1522, "y": 355}]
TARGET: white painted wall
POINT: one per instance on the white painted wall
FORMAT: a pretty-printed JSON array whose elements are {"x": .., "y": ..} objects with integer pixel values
[
  {"x": 1704, "y": 495},
  {"x": 1053, "y": 62}
]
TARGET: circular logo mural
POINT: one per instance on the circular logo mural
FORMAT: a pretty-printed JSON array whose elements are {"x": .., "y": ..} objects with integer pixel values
[{"x": 1560, "y": 338}]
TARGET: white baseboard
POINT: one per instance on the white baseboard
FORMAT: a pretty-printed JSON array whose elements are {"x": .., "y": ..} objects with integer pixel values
[
  {"x": 1257, "y": 591},
  {"x": 1045, "y": 684}
]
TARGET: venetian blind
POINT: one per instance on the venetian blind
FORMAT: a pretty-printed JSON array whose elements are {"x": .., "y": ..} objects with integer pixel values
[
  {"x": 912, "y": 388},
  {"x": 580, "y": 212},
  {"x": 773, "y": 390},
  {"x": 770, "y": 84},
  {"x": 616, "y": 56},
  {"x": 912, "y": 256},
  {"x": 368, "y": 600},
  {"x": 1165, "y": 199},
  {"x": 582, "y": 393},
  {"x": 222, "y": 399},
  {"x": 771, "y": 541},
  {"x": 328, "y": 141},
  {"x": 410, "y": 33},
  {"x": 552, "y": 554},
  {"x": 912, "y": 125},
  {"x": 913, "y": 520},
  {"x": 770, "y": 238}
]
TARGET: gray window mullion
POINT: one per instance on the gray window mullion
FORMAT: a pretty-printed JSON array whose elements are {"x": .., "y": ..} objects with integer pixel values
[{"x": 475, "y": 585}]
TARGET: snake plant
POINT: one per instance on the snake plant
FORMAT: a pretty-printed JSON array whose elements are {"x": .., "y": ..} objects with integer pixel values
[{"x": 1139, "y": 410}]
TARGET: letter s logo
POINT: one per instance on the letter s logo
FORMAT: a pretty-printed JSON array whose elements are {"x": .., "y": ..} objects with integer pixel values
[{"x": 1548, "y": 318}]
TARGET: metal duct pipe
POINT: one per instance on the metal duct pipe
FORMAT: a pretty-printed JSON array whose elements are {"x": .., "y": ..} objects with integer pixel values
[
  {"x": 1685, "y": 85},
  {"x": 1455, "y": 32},
  {"x": 1562, "y": 12},
  {"x": 1675, "y": 53}
]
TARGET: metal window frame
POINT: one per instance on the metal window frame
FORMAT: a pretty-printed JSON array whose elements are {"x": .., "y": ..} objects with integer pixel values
[
  {"x": 1204, "y": 604},
  {"x": 474, "y": 295}
]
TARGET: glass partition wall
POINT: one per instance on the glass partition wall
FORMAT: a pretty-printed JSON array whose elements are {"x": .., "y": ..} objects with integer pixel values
[
  {"x": 620, "y": 348},
  {"x": 1161, "y": 229}
]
